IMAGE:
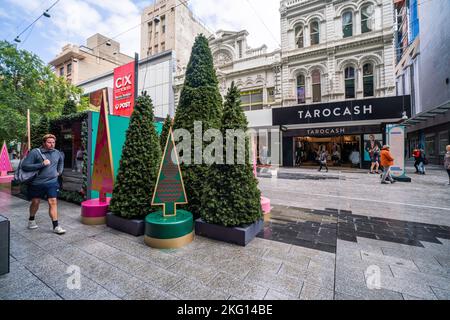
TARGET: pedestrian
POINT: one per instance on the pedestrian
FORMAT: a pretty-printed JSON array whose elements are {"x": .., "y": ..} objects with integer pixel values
[
  {"x": 354, "y": 158},
  {"x": 386, "y": 161},
  {"x": 422, "y": 161},
  {"x": 416, "y": 155},
  {"x": 447, "y": 162},
  {"x": 323, "y": 160},
  {"x": 79, "y": 159},
  {"x": 50, "y": 163}
]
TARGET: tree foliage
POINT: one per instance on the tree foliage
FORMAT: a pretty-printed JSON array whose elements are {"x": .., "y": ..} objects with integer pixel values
[
  {"x": 165, "y": 132},
  {"x": 231, "y": 196},
  {"x": 38, "y": 131},
  {"x": 139, "y": 165},
  {"x": 200, "y": 100},
  {"x": 27, "y": 83},
  {"x": 70, "y": 107}
]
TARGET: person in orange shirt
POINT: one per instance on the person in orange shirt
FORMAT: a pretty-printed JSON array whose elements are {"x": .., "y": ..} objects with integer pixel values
[{"x": 387, "y": 161}]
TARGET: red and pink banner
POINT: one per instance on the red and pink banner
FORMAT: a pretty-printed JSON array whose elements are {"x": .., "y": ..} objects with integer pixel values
[{"x": 123, "y": 91}]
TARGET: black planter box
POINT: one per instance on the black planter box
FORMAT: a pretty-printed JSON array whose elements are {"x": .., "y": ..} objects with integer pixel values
[
  {"x": 135, "y": 227},
  {"x": 237, "y": 235},
  {"x": 4, "y": 245}
]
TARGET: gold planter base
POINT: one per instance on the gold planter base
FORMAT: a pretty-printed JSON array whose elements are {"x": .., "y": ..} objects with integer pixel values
[
  {"x": 93, "y": 221},
  {"x": 169, "y": 243}
]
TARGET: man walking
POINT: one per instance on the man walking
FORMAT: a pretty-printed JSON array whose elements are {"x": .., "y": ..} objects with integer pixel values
[
  {"x": 50, "y": 163},
  {"x": 386, "y": 161}
]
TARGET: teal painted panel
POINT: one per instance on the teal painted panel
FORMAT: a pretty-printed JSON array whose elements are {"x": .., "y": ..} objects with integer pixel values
[{"x": 117, "y": 129}]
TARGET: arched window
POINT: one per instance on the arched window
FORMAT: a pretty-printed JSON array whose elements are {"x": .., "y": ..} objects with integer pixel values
[
  {"x": 367, "y": 19},
  {"x": 316, "y": 88},
  {"x": 301, "y": 89},
  {"x": 347, "y": 24},
  {"x": 368, "y": 80},
  {"x": 349, "y": 82},
  {"x": 314, "y": 31},
  {"x": 299, "y": 37}
]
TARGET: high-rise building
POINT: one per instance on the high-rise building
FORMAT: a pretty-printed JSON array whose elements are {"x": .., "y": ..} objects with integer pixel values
[{"x": 170, "y": 25}]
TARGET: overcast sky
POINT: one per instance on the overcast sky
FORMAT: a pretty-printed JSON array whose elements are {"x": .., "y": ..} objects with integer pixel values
[{"x": 73, "y": 21}]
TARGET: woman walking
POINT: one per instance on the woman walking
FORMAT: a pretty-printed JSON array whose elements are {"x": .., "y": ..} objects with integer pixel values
[
  {"x": 447, "y": 162},
  {"x": 323, "y": 160}
]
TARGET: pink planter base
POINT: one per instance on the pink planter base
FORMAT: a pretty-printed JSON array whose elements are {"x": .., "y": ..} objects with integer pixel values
[
  {"x": 6, "y": 179},
  {"x": 265, "y": 205},
  {"x": 93, "y": 212}
]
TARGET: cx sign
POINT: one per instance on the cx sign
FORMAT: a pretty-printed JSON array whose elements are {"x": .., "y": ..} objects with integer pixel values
[{"x": 123, "y": 103}]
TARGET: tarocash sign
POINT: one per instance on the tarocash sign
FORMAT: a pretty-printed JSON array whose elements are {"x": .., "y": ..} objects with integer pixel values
[{"x": 352, "y": 110}]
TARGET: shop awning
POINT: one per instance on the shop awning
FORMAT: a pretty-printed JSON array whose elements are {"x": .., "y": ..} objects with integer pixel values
[{"x": 427, "y": 115}]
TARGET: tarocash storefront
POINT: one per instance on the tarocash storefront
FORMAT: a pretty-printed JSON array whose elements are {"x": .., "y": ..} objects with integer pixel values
[{"x": 344, "y": 129}]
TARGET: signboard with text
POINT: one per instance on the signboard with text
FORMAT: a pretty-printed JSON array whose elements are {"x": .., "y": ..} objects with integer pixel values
[
  {"x": 123, "y": 91},
  {"x": 396, "y": 140}
]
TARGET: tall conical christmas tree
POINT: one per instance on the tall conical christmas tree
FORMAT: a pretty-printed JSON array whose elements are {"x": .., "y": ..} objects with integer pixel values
[
  {"x": 200, "y": 100},
  {"x": 38, "y": 131},
  {"x": 231, "y": 195},
  {"x": 165, "y": 132},
  {"x": 139, "y": 165}
]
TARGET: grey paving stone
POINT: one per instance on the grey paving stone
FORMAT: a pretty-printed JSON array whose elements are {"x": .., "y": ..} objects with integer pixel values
[
  {"x": 342, "y": 296},
  {"x": 158, "y": 257},
  {"x": 96, "y": 248},
  {"x": 126, "y": 262},
  {"x": 280, "y": 256},
  {"x": 359, "y": 289},
  {"x": 193, "y": 290},
  {"x": 383, "y": 259},
  {"x": 429, "y": 279},
  {"x": 157, "y": 277},
  {"x": 238, "y": 288},
  {"x": 441, "y": 294},
  {"x": 410, "y": 287},
  {"x": 147, "y": 292},
  {"x": 185, "y": 268},
  {"x": 33, "y": 291},
  {"x": 409, "y": 297},
  {"x": 275, "y": 295},
  {"x": 288, "y": 285},
  {"x": 312, "y": 292}
]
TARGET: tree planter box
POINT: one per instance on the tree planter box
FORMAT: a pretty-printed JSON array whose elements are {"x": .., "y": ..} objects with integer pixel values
[
  {"x": 4, "y": 245},
  {"x": 135, "y": 227},
  {"x": 237, "y": 235}
]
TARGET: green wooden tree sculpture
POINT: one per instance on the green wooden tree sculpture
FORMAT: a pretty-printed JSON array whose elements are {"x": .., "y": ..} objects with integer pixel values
[{"x": 169, "y": 190}]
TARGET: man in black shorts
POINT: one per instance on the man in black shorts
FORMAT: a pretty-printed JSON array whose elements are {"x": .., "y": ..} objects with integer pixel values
[{"x": 50, "y": 163}]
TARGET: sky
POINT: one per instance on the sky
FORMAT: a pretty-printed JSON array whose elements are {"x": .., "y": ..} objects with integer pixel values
[{"x": 73, "y": 21}]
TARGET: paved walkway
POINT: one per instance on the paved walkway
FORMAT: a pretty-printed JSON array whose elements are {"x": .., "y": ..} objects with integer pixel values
[{"x": 331, "y": 236}]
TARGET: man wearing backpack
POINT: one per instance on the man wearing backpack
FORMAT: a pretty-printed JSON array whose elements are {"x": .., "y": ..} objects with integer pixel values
[
  {"x": 50, "y": 164},
  {"x": 416, "y": 155}
]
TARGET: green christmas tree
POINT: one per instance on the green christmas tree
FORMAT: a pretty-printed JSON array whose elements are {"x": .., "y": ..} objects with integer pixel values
[
  {"x": 200, "y": 100},
  {"x": 165, "y": 132},
  {"x": 139, "y": 165},
  {"x": 231, "y": 196},
  {"x": 70, "y": 107},
  {"x": 38, "y": 131}
]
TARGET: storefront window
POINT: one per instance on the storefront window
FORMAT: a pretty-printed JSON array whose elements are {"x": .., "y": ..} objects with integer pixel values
[
  {"x": 252, "y": 99},
  {"x": 368, "y": 80},
  {"x": 301, "y": 89},
  {"x": 429, "y": 146},
  {"x": 443, "y": 142},
  {"x": 349, "y": 83},
  {"x": 317, "y": 92}
]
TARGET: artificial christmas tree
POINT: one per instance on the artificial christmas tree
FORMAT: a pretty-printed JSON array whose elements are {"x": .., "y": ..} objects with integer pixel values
[
  {"x": 139, "y": 164},
  {"x": 231, "y": 197},
  {"x": 200, "y": 100},
  {"x": 165, "y": 131}
]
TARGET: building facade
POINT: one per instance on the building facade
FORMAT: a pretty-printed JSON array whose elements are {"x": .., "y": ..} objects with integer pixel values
[
  {"x": 423, "y": 71},
  {"x": 170, "y": 25},
  {"x": 79, "y": 63},
  {"x": 338, "y": 81}
]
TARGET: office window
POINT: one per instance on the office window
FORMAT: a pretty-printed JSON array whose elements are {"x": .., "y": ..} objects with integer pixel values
[
  {"x": 61, "y": 71},
  {"x": 299, "y": 41},
  {"x": 252, "y": 99},
  {"x": 368, "y": 80},
  {"x": 314, "y": 30},
  {"x": 349, "y": 83},
  {"x": 163, "y": 24},
  {"x": 347, "y": 24},
  {"x": 163, "y": 46},
  {"x": 240, "y": 48},
  {"x": 301, "y": 89},
  {"x": 367, "y": 19},
  {"x": 69, "y": 68},
  {"x": 316, "y": 86},
  {"x": 156, "y": 49}
]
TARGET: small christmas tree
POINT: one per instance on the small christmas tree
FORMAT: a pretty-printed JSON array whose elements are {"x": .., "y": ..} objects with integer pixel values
[
  {"x": 5, "y": 164},
  {"x": 200, "y": 100},
  {"x": 165, "y": 131},
  {"x": 38, "y": 131},
  {"x": 169, "y": 190},
  {"x": 231, "y": 197},
  {"x": 70, "y": 107},
  {"x": 138, "y": 171}
]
